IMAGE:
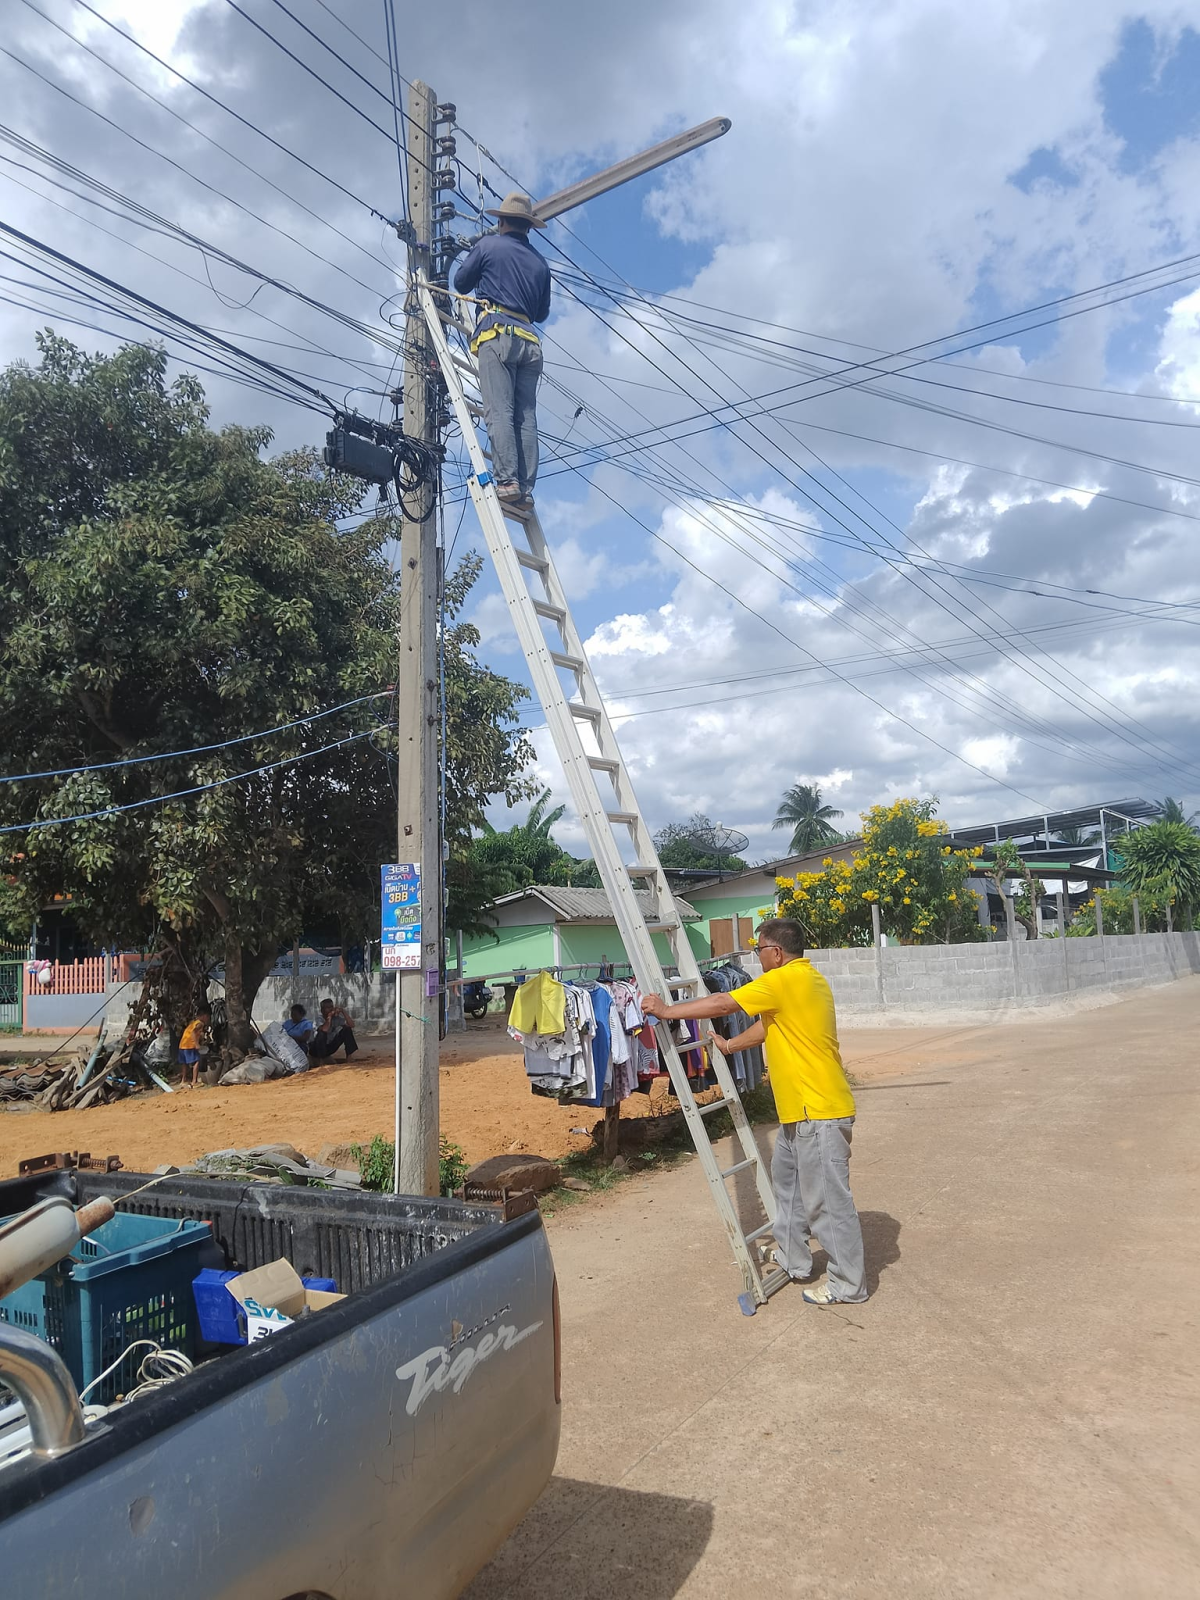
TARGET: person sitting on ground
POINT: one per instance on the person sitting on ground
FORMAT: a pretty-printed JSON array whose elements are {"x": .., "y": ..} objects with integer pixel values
[
  {"x": 335, "y": 1031},
  {"x": 193, "y": 1046},
  {"x": 512, "y": 279},
  {"x": 299, "y": 1025}
]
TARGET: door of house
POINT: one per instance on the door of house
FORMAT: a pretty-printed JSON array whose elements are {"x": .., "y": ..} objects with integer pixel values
[
  {"x": 725, "y": 940},
  {"x": 12, "y": 988}
]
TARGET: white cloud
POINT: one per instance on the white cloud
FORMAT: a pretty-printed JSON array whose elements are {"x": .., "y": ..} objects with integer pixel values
[
  {"x": 1179, "y": 366},
  {"x": 862, "y": 195}
]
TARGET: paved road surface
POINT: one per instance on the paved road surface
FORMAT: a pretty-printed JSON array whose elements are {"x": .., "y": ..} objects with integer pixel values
[{"x": 1015, "y": 1411}]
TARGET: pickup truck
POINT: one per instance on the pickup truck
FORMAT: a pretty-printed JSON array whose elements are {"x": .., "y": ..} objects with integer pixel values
[{"x": 382, "y": 1447}]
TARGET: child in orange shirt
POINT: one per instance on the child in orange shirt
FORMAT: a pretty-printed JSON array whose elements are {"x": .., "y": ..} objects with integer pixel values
[{"x": 194, "y": 1044}]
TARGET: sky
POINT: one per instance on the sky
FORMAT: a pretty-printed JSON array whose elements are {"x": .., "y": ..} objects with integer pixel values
[{"x": 968, "y": 569}]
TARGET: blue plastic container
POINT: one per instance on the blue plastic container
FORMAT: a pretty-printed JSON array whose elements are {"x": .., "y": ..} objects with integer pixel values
[
  {"x": 222, "y": 1320},
  {"x": 131, "y": 1279}
]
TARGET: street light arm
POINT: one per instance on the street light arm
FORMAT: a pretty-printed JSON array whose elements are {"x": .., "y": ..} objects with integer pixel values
[{"x": 577, "y": 194}]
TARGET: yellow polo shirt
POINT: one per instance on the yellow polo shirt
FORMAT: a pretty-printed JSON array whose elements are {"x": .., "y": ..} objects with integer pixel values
[{"x": 796, "y": 1006}]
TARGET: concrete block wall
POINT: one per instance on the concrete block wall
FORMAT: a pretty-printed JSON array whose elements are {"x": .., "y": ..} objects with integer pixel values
[
  {"x": 953, "y": 981},
  {"x": 896, "y": 982}
]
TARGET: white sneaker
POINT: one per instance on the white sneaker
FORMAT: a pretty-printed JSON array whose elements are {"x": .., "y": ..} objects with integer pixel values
[{"x": 823, "y": 1295}]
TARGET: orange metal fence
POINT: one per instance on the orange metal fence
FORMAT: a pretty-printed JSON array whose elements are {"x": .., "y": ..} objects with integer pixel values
[{"x": 68, "y": 977}]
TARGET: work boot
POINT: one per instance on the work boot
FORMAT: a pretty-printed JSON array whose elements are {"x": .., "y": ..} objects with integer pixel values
[{"x": 509, "y": 491}]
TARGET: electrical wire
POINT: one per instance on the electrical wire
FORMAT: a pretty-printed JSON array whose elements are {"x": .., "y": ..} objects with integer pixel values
[
  {"x": 152, "y": 305},
  {"x": 182, "y": 794},
  {"x": 134, "y": 211},
  {"x": 171, "y": 1363},
  {"x": 731, "y": 423},
  {"x": 324, "y": 82},
  {"x": 729, "y": 314},
  {"x": 987, "y": 692},
  {"x": 195, "y": 750},
  {"x": 195, "y": 128},
  {"x": 155, "y": 150}
]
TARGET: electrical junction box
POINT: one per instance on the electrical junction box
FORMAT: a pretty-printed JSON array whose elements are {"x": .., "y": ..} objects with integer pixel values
[{"x": 362, "y": 458}]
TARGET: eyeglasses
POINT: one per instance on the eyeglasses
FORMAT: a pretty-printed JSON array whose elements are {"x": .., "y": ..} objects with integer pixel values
[{"x": 763, "y": 947}]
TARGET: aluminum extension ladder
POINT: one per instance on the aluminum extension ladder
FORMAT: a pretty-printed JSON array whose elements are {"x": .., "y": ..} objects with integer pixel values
[{"x": 588, "y": 750}]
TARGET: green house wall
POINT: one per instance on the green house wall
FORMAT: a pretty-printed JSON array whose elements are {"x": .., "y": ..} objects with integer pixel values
[{"x": 512, "y": 949}]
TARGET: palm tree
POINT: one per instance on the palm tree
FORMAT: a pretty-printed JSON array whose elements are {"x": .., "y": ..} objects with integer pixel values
[
  {"x": 1078, "y": 837},
  {"x": 526, "y": 853},
  {"x": 811, "y": 822},
  {"x": 1172, "y": 811}
]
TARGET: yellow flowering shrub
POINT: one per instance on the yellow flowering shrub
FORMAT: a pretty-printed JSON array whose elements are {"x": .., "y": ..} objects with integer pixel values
[{"x": 905, "y": 868}]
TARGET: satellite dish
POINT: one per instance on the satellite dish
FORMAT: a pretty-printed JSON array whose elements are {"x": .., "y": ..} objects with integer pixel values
[{"x": 719, "y": 841}]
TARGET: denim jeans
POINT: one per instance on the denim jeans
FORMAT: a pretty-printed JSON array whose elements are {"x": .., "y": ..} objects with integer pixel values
[
  {"x": 810, "y": 1173},
  {"x": 509, "y": 369}
]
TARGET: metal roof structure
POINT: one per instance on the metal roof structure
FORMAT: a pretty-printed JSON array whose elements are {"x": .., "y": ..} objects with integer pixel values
[
  {"x": 1111, "y": 818},
  {"x": 588, "y": 905}
]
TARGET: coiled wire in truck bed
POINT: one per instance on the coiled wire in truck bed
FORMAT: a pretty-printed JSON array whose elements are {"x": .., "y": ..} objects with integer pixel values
[{"x": 382, "y": 1447}]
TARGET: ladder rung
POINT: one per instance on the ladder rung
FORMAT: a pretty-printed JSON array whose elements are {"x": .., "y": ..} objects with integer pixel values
[
  {"x": 691, "y": 1044},
  {"x": 516, "y": 512},
  {"x": 637, "y": 870},
  {"x": 464, "y": 366},
  {"x": 453, "y": 322},
  {"x": 587, "y": 713},
  {"x": 663, "y": 927},
  {"x": 767, "y": 1227},
  {"x": 604, "y": 764},
  {"x": 545, "y": 609},
  {"x": 526, "y": 558},
  {"x": 680, "y": 983},
  {"x": 740, "y": 1166},
  {"x": 712, "y": 1106},
  {"x": 630, "y": 817},
  {"x": 571, "y": 663}
]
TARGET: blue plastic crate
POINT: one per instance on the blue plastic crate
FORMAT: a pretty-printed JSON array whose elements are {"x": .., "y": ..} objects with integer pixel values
[
  {"x": 222, "y": 1320},
  {"x": 131, "y": 1279}
]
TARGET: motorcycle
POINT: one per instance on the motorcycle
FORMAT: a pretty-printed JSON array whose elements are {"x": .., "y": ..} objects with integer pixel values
[{"x": 476, "y": 998}]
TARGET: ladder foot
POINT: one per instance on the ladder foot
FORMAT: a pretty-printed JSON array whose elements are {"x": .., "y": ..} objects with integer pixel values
[{"x": 747, "y": 1304}]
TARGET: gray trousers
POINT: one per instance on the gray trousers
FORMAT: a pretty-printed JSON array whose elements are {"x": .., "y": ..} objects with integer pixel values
[
  {"x": 810, "y": 1173},
  {"x": 509, "y": 369}
]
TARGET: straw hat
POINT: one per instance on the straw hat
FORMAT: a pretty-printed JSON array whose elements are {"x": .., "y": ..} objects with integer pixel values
[{"x": 518, "y": 206}]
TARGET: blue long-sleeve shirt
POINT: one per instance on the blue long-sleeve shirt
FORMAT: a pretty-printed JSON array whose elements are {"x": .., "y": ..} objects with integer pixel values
[{"x": 505, "y": 269}]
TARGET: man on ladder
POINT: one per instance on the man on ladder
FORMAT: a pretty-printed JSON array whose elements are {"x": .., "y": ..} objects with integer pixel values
[
  {"x": 811, "y": 1170},
  {"x": 513, "y": 281}
]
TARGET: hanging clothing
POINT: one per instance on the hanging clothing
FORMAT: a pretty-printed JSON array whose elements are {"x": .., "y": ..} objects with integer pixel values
[
  {"x": 746, "y": 1065},
  {"x": 539, "y": 1005},
  {"x": 562, "y": 1063}
]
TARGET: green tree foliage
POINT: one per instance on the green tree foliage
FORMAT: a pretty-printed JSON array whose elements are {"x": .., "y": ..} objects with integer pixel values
[
  {"x": 1163, "y": 860},
  {"x": 525, "y": 853},
  {"x": 1007, "y": 862},
  {"x": 163, "y": 588},
  {"x": 811, "y": 822},
  {"x": 1172, "y": 811},
  {"x": 679, "y": 845},
  {"x": 1116, "y": 903},
  {"x": 906, "y": 868}
]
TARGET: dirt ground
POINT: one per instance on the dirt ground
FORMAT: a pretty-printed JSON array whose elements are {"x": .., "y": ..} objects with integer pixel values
[
  {"x": 1014, "y": 1414},
  {"x": 486, "y": 1105}
]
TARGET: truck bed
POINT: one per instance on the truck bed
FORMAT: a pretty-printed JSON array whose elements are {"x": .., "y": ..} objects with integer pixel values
[{"x": 384, "y": 1446}]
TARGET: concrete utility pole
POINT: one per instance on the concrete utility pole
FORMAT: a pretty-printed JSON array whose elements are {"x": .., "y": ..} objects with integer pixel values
[{"x": 417, "y": 831}]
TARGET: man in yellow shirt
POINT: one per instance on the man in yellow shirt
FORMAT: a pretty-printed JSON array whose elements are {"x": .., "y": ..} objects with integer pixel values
[{"x": 810, "y": 1172}]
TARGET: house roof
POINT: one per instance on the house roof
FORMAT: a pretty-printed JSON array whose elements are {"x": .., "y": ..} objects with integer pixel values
[
  {"x": 588, "y": 905},
  {"x": 765, "y": 874},
  {"x": 1052, "y": 821}
]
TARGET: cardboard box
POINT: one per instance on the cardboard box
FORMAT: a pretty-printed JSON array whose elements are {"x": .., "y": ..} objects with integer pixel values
[{"x": 274, "y": 1296}]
